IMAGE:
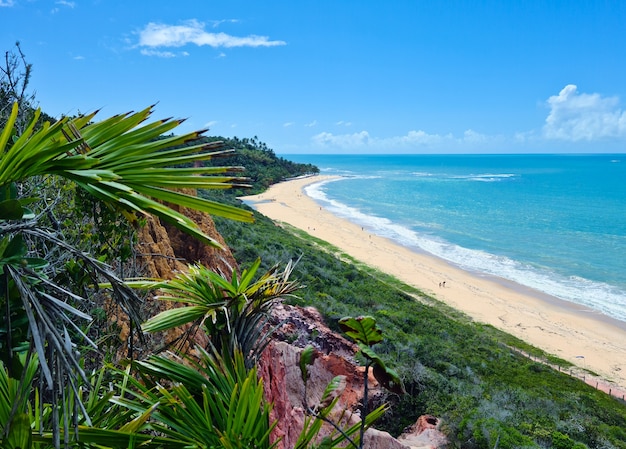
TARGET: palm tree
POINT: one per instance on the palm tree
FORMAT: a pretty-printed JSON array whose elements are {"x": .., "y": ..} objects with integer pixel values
[
  {"x": 126, "y": 163},
  {"x": 233, "y": 313}
]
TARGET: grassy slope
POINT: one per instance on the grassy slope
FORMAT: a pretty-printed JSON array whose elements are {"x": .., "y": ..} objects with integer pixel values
[{"x": 460, "y": 371}]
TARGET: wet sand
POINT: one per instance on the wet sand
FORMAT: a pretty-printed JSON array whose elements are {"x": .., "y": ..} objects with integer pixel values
[{"x": 588, "y": 339}]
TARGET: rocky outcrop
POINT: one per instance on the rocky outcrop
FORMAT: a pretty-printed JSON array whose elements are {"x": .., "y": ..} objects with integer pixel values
[
  {"x": 163, "y": 250},
  {"x": 191, "y": 250},
  {"x": 424, "y": 434},
  {"x": 284, "y": 387}
]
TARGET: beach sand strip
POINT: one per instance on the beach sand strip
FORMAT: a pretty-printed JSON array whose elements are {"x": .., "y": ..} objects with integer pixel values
[{"x": 587, "y": 339}]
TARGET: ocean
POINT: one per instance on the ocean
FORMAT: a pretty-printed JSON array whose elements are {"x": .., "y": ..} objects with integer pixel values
[{"x": 554, "y": 223}]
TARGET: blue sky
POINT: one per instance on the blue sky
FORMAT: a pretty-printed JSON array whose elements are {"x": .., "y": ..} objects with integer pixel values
[{"x": 341, "y": 76}]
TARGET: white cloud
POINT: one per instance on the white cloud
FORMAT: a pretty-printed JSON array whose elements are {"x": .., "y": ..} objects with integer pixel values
[
  {"x": 311, "y": 124},
  {"x": 346, "y": 141},
  {"x": 7, "y": 3},
  {"x": 210, "y": 124},
  {"x": 156, "y": 35},
  {"x": 160, "y": 54},
  {"x": 62, "y": 3},
  {"x": 363, "y": 139},
  {"x": 342, "y": 123},
  {"x": 422, "y": 138},
  {"x": 288, "y": 124},
  {"x": 412, "y": 141},
  {"x": 574, "y": 116},
  {"x": 217, "y": 23}
]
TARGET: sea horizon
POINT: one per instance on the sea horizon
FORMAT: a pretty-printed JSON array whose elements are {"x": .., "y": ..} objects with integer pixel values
[{"x": 554, "y": 223}]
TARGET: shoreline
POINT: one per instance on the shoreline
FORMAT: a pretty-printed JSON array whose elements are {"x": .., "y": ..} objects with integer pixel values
[{"x": 586, "y": 338}]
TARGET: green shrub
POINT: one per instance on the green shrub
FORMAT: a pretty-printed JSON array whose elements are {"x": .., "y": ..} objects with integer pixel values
[{"x": 561, "y": 441}]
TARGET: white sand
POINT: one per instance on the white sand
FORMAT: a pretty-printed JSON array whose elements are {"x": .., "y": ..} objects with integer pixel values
[{"x": 585, "y": 338}]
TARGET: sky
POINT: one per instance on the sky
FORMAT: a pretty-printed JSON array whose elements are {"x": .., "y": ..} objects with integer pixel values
[{"x": 332, "y": 76}]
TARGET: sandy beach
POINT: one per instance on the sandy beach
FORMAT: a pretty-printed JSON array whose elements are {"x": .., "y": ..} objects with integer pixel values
[{"x": 588, "y": 339}]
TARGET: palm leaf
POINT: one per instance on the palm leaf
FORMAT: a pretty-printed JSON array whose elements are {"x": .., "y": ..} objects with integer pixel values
[
  {"x": 222, "y": 399},
  {"x": 172, "y": 318},
  {"x": 110, "y": 438},
  {"x": 238, "y": 309}
]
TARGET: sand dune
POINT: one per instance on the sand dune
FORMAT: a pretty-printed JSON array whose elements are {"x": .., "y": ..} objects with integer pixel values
[{"x": 586, "y": 338}]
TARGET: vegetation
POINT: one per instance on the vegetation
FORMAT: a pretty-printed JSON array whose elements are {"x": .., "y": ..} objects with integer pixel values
[
  {"x": 470, "y": 375},
  {"x": 118, "y": 161},
  {"x": 220, "y": 393},
  {"x": 263, "y": 167},
  {"x": 233, "y": 313}
]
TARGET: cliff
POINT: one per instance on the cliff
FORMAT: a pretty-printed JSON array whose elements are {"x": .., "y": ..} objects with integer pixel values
[{"x": 163, "y": 250}]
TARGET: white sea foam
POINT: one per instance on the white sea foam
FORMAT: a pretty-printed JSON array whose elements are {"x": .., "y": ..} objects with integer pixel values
[
  {"x": 598, "y": 296},
  {"x": 480, "y": 177},
  {"x": 486, "y": 177}
]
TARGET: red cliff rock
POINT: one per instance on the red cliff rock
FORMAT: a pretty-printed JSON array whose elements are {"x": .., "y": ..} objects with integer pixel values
[
  {"x": 163, "y": 251},
  {"x": 424, "y": 434}
]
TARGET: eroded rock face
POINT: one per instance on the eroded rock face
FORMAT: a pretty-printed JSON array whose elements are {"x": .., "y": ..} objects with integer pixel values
[
  {"x": 284, "y": 387},
  {"x": 192, "y": 251},
  {"x": 162, "y": 252},
  {"x": 155, "y": 253},
  {"x": 280, "y": 370},
  {"x": 424, "y": 434}
]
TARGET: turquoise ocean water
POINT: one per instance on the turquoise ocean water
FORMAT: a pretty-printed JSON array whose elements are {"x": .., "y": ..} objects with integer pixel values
[{"x": 555, "y": 223}]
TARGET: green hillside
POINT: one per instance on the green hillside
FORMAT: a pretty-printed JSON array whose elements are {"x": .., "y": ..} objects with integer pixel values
[{"x": 262, "y": 166}]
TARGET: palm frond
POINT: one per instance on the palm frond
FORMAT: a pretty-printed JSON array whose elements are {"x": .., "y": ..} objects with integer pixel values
[
  {"x": 112, "y": 158},
  {"x": 234, "y": 312}
]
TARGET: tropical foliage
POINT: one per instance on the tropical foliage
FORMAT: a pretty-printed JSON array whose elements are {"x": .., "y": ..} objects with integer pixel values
[
  {"x": 119, "y": 161},
  {"x": 212, "y": 402},
  {"x": 263, "y": 166},
  {"x": 234, "y": 314}
]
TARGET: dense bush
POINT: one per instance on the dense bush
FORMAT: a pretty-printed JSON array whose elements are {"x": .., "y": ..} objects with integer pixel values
[{"x": 262, "y": 166}]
